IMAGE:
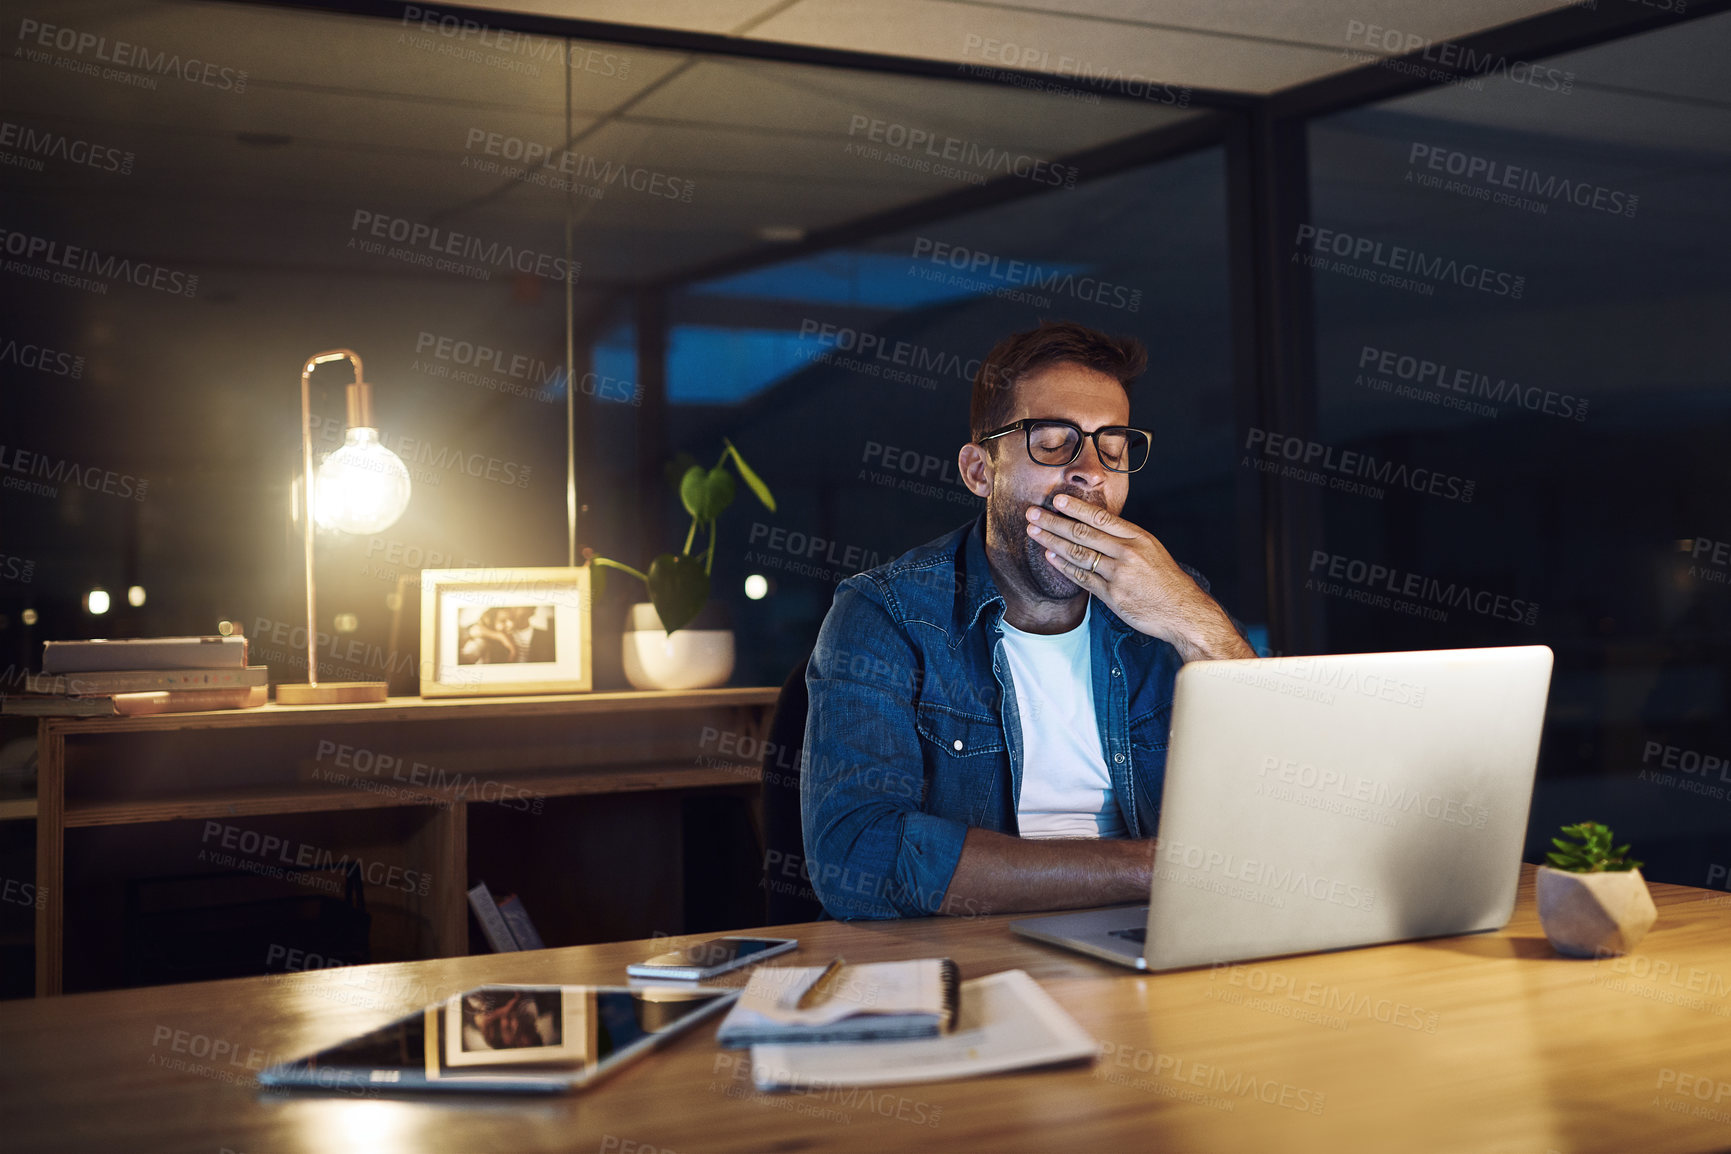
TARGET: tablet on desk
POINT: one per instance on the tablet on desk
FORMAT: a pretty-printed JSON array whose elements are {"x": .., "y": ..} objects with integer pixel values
[{"x": 512, "y": 1039}]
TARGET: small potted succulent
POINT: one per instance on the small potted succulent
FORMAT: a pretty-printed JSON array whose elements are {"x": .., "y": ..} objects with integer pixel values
[
  {"x": 662, "y": 649},
  {"x": 1592, "y": 898}
]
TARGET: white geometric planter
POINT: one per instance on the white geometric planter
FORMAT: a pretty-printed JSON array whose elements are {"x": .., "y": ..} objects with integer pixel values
[
  {"x": 687, "y": 659},
  {"x": 1596, "y": 914}
]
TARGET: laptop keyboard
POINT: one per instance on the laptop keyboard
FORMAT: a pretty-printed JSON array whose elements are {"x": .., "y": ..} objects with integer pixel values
[{"x": 1139, "y": 935}]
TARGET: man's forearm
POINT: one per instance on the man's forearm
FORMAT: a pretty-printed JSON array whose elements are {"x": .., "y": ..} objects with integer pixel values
[
  {"x": 1000, "y": 874},
  {"x": 1211, "y": 637}
]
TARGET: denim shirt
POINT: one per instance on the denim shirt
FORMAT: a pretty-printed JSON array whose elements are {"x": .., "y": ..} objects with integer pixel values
[{"x": 913, "y": 736}]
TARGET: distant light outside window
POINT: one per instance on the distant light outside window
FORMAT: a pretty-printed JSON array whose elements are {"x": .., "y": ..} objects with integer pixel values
[
  {"x": 614, "y": 356},
  {"x": 942, "y": 272},
  {"x": 724, "y": 366}
]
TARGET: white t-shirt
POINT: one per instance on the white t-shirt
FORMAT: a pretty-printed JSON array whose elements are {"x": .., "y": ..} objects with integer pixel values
[{"x": 1066, "y": 787}]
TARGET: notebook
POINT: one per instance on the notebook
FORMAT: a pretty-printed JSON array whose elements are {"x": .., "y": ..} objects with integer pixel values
[
  {"x": 872, "y": 1001},
  {"x": 1007, "y": 1022}
]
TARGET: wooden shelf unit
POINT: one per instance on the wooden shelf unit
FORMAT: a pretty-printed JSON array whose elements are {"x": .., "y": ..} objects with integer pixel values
[{"x": 114, "y": 771}]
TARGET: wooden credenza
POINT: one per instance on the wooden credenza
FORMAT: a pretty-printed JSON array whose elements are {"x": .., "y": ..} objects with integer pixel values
[{"x": 394, "y": 784}]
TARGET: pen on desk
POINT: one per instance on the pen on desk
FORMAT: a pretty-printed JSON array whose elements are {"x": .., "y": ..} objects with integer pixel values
[{"x": 819, "y": 990}]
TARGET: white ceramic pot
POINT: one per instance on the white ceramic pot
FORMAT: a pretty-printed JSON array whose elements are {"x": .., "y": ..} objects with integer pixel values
[
  {"x": 691, "y": 658},
  {"x": 1594, "y": 915}
]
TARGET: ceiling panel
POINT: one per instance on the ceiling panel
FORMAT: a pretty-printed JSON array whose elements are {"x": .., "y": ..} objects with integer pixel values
[
  {"x": 1246, "y": 46},
  {"x": 1278, "y": 21},
  {"x": 341, "y": 114},
  {"x": 1666, "y": 89}
]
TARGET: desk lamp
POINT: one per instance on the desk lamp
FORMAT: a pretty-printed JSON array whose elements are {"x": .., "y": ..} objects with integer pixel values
[{"x": 363, "y": 487}]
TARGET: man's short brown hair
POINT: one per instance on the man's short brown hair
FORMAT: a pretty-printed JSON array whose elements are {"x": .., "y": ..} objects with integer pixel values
[{"x": 1054, "y": 342}]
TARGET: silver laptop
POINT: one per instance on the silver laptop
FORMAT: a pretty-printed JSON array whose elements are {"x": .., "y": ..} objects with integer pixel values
[{"x": 1320, "y": 803}]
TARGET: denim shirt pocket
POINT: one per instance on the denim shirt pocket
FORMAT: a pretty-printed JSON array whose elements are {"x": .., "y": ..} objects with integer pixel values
[
  {"x": 1149, "y": 734},
  {"x": 1151, "y": 730},
  {"x": 966, "y": 756}
]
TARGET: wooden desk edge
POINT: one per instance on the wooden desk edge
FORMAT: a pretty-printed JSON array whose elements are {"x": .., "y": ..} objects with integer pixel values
[{"x": 405, "y": 708}]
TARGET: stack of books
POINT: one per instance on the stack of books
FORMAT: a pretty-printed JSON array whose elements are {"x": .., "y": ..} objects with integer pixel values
[{"x": 126, "y": 678}]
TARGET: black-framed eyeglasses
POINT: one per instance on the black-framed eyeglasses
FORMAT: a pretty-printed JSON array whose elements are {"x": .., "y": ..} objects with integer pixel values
[{"x": 1058, "y": 443}]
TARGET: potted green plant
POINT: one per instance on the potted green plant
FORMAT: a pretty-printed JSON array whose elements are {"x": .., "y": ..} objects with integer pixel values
[
  {"x": 662, "y": 649},
  {"x": 1593, "y": 900}
]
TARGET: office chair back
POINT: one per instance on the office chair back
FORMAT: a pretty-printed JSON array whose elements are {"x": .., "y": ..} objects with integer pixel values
[{"x": 788, "y": 896}]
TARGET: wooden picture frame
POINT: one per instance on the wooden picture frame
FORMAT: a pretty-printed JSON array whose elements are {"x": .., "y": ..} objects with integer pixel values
[{"x": 494, "y": 632}]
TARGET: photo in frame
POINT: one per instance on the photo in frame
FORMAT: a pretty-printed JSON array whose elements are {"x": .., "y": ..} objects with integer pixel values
[
  {"x": 512, "y": 1025},
  {"x": 504, "y": 631}
]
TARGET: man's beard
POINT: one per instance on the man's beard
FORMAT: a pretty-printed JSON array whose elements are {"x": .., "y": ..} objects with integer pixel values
[{"x": 1040, "y": 579}]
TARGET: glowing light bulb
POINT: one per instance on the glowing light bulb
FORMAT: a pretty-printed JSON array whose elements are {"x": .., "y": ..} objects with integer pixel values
[
  {"x": 96, "y": 601},
  {"x": 756, "y": 586},
  {"x": 363, "y": 487}
]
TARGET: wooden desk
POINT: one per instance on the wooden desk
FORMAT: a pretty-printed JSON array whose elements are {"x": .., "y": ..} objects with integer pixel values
[
  {"x": 1472, "y": 1044},
  {"x": 438, "y": 757}
]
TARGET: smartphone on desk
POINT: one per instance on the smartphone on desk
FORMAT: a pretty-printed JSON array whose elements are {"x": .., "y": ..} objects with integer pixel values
[{"x": 704, "y": 960}]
